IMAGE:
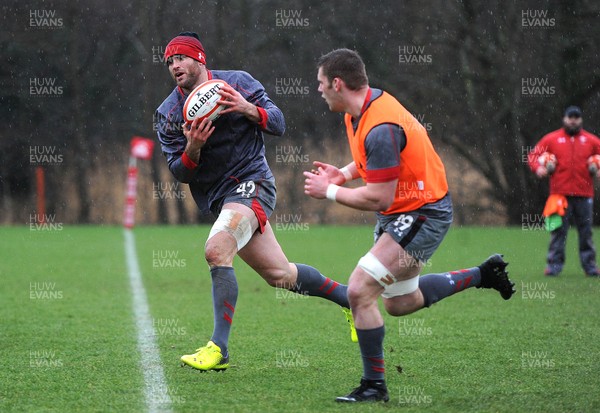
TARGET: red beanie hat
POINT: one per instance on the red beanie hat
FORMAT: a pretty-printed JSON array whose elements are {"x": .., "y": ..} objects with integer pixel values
[{"x": 188, "y": 46}]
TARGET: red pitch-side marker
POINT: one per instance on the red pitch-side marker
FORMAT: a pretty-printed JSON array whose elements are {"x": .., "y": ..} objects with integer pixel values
[
  {"x": 40, "y": 181},
  {"x": 141, "y": 148}
]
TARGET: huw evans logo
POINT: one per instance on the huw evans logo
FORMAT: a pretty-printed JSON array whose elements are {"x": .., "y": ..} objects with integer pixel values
[
  {"x": 536, "y": 291},
  {"x": 536, "y": 18},
  {"x": 290, "y": 19},
  {"x": 290, "y": 222},
  {"x": 44, "y": 87},
  {"x": 537, "y": 87},
  {"x": 290, "y": 154},
  {"x": 44, "y": 359},
  {"x": 533, "y": 222},
  {"x": 167, "y": 190},
  {"x": 45, "y": 19},
  {"x": 44, "y": 291},
  {"x": 527, "y": 152},
  {"x": 532, "y": 359},
  {"x": 168, "y": 327},
  {"x": 44, "y": 155},
  {"x": 414, "y": 190},
  {"x": 44, "y": 222},
  {"x": 413, "y": 327},
  {"x": 167, "y": 259},
  {"x": 290, "y": 86},
  {"x": 290, "y": 358},
  {"x": 158, "y": 55},
  {"x": 413, "y": 55},
  {"x": 413, "y": 395}
]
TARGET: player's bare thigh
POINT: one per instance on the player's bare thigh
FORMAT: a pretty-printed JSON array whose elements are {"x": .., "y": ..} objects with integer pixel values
[
  {"x": 244, "y": 210},
  {"x": 264, "y": 254},
  {"x": 395, "y": 258}
]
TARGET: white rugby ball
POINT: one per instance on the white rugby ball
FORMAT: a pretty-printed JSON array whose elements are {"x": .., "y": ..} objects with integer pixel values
[
  {"x": 548, "y": 160},
  {"x": 202, "y": 102}
]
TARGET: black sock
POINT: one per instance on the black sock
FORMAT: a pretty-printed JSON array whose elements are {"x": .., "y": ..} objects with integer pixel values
[
  {"x": 371, "y": 350},
  {"x": 438, "y": 286},
  {"x": 311, "y": 282},
  {"x": 224, "y": 292}
]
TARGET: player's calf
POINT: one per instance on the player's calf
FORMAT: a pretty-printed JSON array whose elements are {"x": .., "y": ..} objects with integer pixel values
[
  {"x": 404, "y": 304},
  {"x": 278, "y": 277}
]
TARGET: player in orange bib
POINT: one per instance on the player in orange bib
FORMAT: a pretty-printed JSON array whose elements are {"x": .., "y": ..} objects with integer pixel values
[{"x": 405, "y": 184}]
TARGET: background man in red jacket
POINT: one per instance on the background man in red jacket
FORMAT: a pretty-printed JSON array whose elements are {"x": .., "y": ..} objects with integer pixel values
[{"x": 572, "y": 147}]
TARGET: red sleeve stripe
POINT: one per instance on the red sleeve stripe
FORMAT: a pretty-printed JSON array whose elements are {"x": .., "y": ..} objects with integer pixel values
[
  {"x": 262, "y": 122},
  {"x": 187, "y": 162},
  {"x": 383, "y": 175}
]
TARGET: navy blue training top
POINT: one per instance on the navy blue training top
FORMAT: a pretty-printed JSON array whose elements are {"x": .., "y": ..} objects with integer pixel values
[{"x": 233, "y": 154}]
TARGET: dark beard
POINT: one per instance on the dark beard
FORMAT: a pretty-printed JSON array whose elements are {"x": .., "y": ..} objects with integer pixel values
[{"x": 572, "y": 131}]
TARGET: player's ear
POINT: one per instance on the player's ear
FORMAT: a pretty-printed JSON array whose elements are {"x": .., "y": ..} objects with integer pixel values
[{"x": 337, "y": 84}]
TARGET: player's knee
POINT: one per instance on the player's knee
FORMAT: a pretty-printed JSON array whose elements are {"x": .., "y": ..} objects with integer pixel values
[
  {"x": 353, "y": 296},
  {"x": 218, "y": 254},
  {"x": 213, "y": 256},
  {"x": 356, "y": 296}
]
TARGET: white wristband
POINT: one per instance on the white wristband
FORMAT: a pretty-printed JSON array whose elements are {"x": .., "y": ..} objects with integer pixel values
[
  {"x": 332, "y": 191},
  {"x": 347, "y": 173}
]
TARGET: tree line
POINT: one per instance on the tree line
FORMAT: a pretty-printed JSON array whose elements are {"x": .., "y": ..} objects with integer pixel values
[{"x": 487, "y": 79}]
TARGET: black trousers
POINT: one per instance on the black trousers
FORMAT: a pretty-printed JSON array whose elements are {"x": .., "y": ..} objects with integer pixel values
[{"x": 579, "y": 212}]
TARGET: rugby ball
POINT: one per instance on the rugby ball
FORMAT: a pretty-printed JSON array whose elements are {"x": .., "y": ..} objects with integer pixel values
[
  {"x": 593, "y": 163},
  {"x": 202, "y": 102},
  {"x": 548, "y": 160}
]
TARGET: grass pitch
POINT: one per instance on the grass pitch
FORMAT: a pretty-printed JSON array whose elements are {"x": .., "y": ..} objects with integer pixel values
[{"x": 68, "y": 338}]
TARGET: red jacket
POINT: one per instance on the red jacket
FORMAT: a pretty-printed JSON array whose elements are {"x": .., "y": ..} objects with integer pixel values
[{"x": 571, "y": 177}]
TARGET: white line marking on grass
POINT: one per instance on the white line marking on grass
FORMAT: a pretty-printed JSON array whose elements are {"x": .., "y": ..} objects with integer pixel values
[{"x": 155, "y": 390}]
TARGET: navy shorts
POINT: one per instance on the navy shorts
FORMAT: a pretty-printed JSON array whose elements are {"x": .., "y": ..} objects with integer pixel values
[
  {"x": 259, "y": 195},
  {"x": 418, "y": 232}
]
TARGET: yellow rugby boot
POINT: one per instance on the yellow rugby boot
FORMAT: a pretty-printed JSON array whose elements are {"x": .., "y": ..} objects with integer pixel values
[
  {"x": 207, "y": 358},
  {"x": 350, "y": 319}
]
